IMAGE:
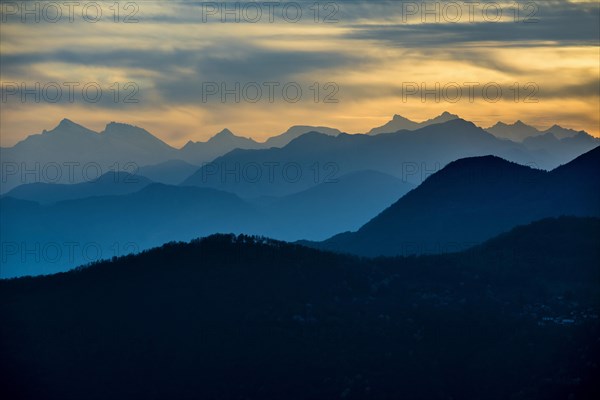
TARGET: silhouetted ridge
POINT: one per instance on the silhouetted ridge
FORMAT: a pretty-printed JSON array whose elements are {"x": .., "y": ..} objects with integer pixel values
[
  {"x": 67, "y": 123},
  {"x": 246, "y": 317},
  {"x": 65, "y": 127},
  {"x": 455, "y": 123},
  {"x": 310, "y": 138},
  {"x": 111, "y": 183},
  {"x": 399, "y": 123},
  {"x": 471, "y": 200},
  {"x": 586, "y": 163},
  {"x": 224, "y": 133}
]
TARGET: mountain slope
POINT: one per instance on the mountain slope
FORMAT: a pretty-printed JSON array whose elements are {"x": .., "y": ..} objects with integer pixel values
[
  {"x": 68, "y": 233},
  {"x": 111, "y": 183},
  {"x": 158, "y": 213},
  {"x": 562, "y": 133},
  {"x": 343, "y": 204},
  {"x": 471, "y": 200},
  {"x": 221, "y": 143},
  {"x": 243, "y": 317},
  {"x": 516, "y": 132},
  {"x": 399, "y": 123},
  {"x": 297, "y": 131},
  {"x": 571, "y": 146},
  {"x": 171, "y": 172},
  {"x": 134, "y": 141}
]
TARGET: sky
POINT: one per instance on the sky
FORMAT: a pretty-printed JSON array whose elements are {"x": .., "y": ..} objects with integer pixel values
[{"x": 185, "y": 70}]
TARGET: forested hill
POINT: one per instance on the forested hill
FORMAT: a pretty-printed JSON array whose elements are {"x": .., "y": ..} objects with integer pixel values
[{"x": 230, "y": 317}]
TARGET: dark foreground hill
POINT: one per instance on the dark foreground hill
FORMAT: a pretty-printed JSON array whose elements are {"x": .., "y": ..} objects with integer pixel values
[
  {"x": 244, "y": 318},
  {"x": 472, "y": 200}
]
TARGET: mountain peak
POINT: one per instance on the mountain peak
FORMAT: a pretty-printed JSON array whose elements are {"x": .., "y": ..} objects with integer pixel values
[
  {"x": 447, "y": 114},
  {"x": 443, "y": 117},
  {"x": 66, "y": 126},
  {"x": 294, "y": 128},
  {"x": 298, "y": 130},
  {"x": 224, "y": 133},
  {"x": 134, "y": 135},
  {"x": 225, "y": 136},
  {"x": 517, "y": 132},
  {"x": 66, "y": 123},
  {"x": 112, "y": 126},
  {"x": 121, "y": 129},
  {"x": 459, "y": 122}
]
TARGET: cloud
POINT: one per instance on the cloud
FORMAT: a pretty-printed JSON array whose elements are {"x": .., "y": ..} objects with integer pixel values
[{"x": 371, "y": 49}]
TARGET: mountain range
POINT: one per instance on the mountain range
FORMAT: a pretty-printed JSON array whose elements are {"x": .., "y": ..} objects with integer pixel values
[
  {"x": 519, "y": 131},
  {"x": 440, "y": 188},
  {"x": 400, "y": 123},
  {"x": 472, "y": 200},
  {"x": 408, "y": 155},
  {"x": 468, "y": 201},
  {"x": 111, "y": 183},
  {"x": 113, "y": 216},
  {"x": 71, "y": 153}
]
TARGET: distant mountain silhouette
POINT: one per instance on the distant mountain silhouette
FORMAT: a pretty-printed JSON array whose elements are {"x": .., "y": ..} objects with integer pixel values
[
  {"x": 467, "y": 202},
  {"x": 472, "y": 200},
  {"x": 104, "y": 226},
  {"x": 399, "y": 123},
  {"x": 244, "y": 317},
  {"x": 328, "y": 208},
  {"x": 135, "y": 142},
  {"x": 223, "y": 142},
  {"x": 159, "y": 213},
  {"x": 563, "y": 133},
  {"x": 407, "y": 155},
  {"x": 171, "y": 172},
  {"x": 68, "y": 153},
  {"x": 548, "y": 143},
  {"x": 297, "y": 131},
  {"x": 516, "y": 132},
  {"x": 111, "y": 183},
  {"x": 542, "y": 141},
  {"x": 74, "y": 150},
  {"x": 71, "y": 153},
  {"x": 519, "y": 131}
]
